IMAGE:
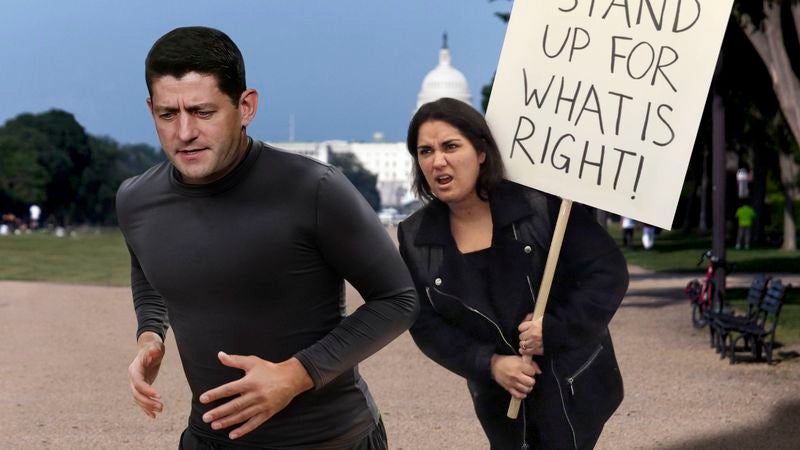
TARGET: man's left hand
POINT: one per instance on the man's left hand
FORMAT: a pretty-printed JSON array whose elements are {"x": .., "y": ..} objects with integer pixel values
[{"x": 264, "y": 390}]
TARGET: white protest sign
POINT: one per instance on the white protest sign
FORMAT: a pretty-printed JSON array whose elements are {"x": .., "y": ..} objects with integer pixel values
[{"x": 599, "y": 101}]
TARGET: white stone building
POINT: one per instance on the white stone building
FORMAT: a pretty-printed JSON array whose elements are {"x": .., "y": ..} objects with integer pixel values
[{"x": 390, "y": 161}]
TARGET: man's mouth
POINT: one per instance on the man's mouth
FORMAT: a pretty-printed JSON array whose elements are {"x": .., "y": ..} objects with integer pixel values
[{"x": 191, "y": 151}]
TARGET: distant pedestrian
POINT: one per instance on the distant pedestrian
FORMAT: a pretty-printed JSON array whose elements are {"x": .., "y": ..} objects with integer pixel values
[
  {"x": 743, "y": 177},
  {"x": 35, "y": 212},
  {"x": 648, "y": 236},
  {"x": 628, "y": 225},
  {"x": 745, "y": 215}
]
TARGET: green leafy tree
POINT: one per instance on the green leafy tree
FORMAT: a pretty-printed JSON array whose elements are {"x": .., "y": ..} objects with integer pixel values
[
  {"x": 22, "y": 178},
  {"x": 99, "y": 181},
  {"x": 134, "y": 159},
  {"x": 773, "y": 27},
  {"x": 65, "y": 153},
  {"x": 364, "y": 180},
  {"x": 110, "y": 165}
]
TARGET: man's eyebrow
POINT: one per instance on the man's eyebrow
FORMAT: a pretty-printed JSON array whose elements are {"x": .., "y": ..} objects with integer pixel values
[
  {"x": 201, "y": 106},
  {"x": 192, "y": 108}
]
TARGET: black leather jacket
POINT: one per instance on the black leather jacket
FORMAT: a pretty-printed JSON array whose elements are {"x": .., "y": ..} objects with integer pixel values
[{"x": 580, "y": 385}]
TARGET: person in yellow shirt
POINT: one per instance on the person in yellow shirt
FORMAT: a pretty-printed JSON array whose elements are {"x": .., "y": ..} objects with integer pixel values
[{"x": 745, "y": 215}]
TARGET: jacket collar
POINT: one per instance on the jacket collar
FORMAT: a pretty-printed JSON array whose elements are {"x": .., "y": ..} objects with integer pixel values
[{"x": 506, "y": 202}]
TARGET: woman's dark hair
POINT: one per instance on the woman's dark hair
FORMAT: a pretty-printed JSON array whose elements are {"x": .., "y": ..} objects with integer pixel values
[
  {"x": 471, "y": 124},
  {"x": 198, "y": 49}
]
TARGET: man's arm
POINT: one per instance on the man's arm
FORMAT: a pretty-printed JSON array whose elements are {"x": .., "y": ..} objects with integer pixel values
[
  {"x": 353, "y": 242},
  {"x": 151, "y": 315},
  {"x": 151, "y": 311}
]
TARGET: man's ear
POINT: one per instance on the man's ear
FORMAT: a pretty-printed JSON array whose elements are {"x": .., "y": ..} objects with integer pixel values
[
  {"x": 248, "y": 104},
  {"x": 149, "y": 104}
]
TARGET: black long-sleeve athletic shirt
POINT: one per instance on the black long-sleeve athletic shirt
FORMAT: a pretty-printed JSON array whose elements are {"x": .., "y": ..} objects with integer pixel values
[{"x": 253, "y": 264}]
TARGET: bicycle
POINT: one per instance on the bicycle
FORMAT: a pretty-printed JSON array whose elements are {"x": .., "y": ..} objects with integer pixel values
[{"x": 702, "y": 296}]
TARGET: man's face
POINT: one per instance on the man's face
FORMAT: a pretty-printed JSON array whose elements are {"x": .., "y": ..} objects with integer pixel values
[{"x": 201, "y": 131}]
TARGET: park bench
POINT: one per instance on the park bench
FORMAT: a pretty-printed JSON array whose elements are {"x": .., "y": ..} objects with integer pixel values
[
  {"x": 759, "y": 336},
  {"x": 722, "y": 323}
]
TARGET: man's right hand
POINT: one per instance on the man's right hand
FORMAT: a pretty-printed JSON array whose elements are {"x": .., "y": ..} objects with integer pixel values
[
  {"x": 143, "y": 371},
  {"x": 515, "y": 375}
]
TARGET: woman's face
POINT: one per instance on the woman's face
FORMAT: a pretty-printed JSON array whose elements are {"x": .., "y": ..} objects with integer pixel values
[{"x": 448, "y": 161}]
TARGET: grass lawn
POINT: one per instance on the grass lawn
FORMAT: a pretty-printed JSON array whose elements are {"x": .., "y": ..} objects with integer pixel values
[
  {"x": 91, "y": 257},
  {"x": 676, "y": 251}
]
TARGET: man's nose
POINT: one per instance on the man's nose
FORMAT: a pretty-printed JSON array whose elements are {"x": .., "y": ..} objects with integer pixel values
[{"x": 187, "y": 129}]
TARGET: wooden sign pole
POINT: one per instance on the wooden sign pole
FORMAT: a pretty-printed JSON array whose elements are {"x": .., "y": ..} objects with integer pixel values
[{"x": 547, "y": 281}]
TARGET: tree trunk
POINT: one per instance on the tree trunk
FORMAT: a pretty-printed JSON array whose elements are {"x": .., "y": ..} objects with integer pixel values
[
  {"x": 686, "y": 221},
  {"x": 759, "y": 196},
  {"x": 718, "y": 170},
  {"x": 789, "y": 185},
  {"x": 702, "y": 221},
  {"x": 768, "y": 42}
]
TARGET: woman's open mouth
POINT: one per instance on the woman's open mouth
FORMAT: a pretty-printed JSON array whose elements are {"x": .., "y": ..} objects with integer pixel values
[{"x": 443, "y": 179}]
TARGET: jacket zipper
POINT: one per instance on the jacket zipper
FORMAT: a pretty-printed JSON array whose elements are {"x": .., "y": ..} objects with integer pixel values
[
  {"x": 563, "y": 405},
  {"x": 524, "y": 412},
  {"x": 430, "y": 300},
  {"x": 585, "y": 366},
  {"x": 499, "y": 331}
]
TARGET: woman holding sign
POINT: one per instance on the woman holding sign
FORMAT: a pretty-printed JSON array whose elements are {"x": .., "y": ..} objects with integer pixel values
[{"x": 476, "y": 251}]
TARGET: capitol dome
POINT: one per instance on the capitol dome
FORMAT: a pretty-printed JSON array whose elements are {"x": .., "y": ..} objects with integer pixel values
[{"x": 444, "y": 81}]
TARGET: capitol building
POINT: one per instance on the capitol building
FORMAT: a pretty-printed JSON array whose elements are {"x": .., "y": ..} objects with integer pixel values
[{"x": 390, "y": 161}]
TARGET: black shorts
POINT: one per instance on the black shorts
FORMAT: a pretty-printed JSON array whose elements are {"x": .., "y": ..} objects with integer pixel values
[{"x": 376, "y": 440}]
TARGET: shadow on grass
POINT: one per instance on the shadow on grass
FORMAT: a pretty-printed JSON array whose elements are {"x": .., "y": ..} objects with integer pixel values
[
  {"x": 768, "y": 265},
  {"x": 650, "y": 304},
  {"x": 660, "y": 276},
  {"x": 670, "y": 294},
  {"x": 778, "y": 431}
]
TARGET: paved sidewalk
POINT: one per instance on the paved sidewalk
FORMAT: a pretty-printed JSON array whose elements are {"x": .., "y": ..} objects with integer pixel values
[{"x": 65, "y": 351}]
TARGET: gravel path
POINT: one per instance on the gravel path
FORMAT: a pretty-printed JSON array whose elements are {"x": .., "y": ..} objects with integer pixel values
[{"x": 65, "y": 351}]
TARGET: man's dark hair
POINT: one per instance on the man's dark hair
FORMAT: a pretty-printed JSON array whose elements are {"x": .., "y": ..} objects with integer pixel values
[
  {"x": 469, "y": 123},
  {"x": 197, "y": 49}
]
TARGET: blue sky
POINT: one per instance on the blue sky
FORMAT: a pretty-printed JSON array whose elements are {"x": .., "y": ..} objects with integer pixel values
[{"x": 345, "y": 68}]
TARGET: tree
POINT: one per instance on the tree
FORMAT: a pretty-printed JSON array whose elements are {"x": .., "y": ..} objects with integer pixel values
[
  {"x": 63, "y": 148},
  {"x": 767, "y": 24},
  {"x": 364, "y": 180},
  {"x": 22, "y": 178},
  {"x": 99, "y": 181},
  {"x": 134, "y": 159}
]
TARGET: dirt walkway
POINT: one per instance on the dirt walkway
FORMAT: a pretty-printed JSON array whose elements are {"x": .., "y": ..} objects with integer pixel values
[{"x": 65, "y": 350}]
